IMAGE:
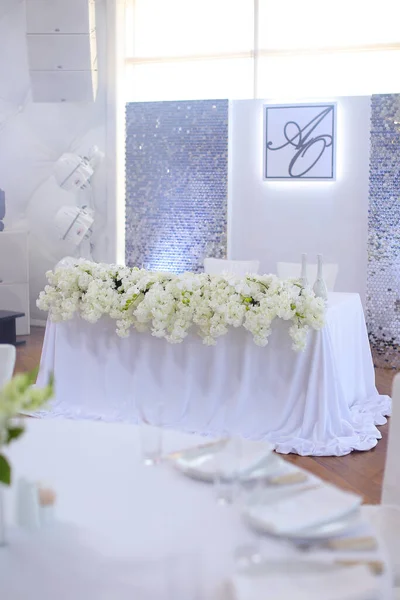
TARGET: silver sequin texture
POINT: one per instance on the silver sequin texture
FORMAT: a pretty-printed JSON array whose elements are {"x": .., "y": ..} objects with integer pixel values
[
  {"x": 383, "y": 281},
  {"x": 176, "y": 183}
]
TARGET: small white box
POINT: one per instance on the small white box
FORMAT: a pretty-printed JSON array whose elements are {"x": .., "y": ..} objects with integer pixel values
[
  {"x": 62, "y": 52},
  {"x": 60, "y": 16},
  {"x": 64, "y": 86}
]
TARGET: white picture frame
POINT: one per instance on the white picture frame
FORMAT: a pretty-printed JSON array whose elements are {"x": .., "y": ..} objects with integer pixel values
[{"x": 300, "y": 142}]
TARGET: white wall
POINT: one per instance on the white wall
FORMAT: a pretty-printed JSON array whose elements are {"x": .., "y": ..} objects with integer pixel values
[
  {"x": 277, "y": 221},
  {"x": 32, "y": 138},
  {"x": 270, "y": 221}
]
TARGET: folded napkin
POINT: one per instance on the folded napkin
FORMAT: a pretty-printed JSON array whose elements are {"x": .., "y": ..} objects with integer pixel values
[
  {"x": 338, "y": 583},
  {"x": 308, "y": 508}
]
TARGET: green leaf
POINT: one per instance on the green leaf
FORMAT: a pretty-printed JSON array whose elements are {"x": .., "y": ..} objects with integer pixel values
[
  {"x": 130, "y": 301},
  {"x": 14, "y": 433},
  {"x": 32, "y": 376},
  {"x": 5, "y": 470}
]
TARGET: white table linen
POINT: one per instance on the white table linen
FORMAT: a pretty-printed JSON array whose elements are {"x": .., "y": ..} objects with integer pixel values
[
  {"x": 322, "y": 401},
  {"x": 127, "y": 521}
]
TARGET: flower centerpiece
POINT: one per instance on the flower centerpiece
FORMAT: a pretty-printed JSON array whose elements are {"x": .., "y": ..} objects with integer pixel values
[
  {"x": 17, "y": 397},
  {"x": 170, "y": 305}
]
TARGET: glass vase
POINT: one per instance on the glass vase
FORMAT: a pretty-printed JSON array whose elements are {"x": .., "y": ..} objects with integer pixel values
[
  {"x": 303, "y": 276},
  {"x": 320, "y": 289}
]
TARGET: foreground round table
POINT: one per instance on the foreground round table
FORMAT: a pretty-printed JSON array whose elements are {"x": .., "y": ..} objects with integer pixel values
[
  {"x": 123, "y": 527},
  {"x": 322, "y": 401}
]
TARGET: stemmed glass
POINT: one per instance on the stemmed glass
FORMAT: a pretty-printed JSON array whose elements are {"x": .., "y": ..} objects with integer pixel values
[
  {"x": 226, "y": 471},
  {"x": 232, "y": 489},
  {"x": 151, "y": 432}
]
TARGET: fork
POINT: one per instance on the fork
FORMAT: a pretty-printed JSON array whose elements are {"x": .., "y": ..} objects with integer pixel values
[{"x": 362, "y": 543}]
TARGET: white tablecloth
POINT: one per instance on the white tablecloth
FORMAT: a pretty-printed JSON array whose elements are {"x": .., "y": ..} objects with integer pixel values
[
  {"x": 322, "y": 401},
  {"x": 128, "y": 522}
]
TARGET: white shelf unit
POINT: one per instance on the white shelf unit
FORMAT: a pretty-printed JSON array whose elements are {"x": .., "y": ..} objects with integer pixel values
[
  {"x": 14, "y": 276},
  {"x": 60, "y": 16},
  {"x": 62, "y": 50}
]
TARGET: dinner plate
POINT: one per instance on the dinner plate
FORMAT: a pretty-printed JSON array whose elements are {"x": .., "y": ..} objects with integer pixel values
[
  {"x": 319, "y": 532},
  {"x": 202, "y": 466},
  {"x": 312, "y": 510}
]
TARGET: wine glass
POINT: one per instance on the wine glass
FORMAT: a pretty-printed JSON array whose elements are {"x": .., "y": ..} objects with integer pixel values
[
  {"x": 232, "y": 488},
  {"x": 226, "y": 471},
  {"x": 151, "y": 431}
]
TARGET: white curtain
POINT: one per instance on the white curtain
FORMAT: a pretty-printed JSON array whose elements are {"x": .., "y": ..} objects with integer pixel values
[{"x": 193, "y": 49}]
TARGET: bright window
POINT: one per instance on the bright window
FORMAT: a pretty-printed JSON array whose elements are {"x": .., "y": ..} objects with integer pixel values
[{"x": 195, "y": 49}]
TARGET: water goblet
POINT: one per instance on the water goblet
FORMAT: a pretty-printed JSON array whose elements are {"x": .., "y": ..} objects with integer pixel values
[
  {"x": 227, "y": 464},
  {"x": 151, "y": 432}
]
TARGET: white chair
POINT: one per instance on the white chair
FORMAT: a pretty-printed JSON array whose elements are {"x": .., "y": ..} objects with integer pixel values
[
  {"x": 293, "y": 271},
  {"x": 7, "y": 363},
  {"x": 216, "y": 266},
  {"x": 386, "y": 517}
]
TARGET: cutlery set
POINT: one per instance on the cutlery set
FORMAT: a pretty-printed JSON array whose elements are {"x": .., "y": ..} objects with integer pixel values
[{"x": 268, "y": 485}]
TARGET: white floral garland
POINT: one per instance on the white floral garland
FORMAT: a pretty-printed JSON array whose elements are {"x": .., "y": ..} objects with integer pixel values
[{"x": 169, "y": 305}]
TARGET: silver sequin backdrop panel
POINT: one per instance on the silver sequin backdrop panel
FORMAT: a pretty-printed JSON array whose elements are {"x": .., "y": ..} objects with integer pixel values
[
  {"x": 176, "y": 183},
  {"x": 383, "y": 281}
]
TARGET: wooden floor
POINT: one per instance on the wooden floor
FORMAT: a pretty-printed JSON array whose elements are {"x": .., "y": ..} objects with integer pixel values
[{"x": 361, "y": 472}]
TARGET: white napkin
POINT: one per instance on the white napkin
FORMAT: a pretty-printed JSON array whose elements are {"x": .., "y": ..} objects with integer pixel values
[
  {"x": 308, "y": 508},
  {"x": 341, "y": 583}
]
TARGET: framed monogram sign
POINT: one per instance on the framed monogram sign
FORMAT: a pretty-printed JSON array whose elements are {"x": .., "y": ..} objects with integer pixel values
[{"x": 300, "y": 141}]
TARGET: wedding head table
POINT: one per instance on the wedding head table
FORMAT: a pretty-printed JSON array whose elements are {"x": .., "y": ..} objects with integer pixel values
[
  {"x": 318, "y": 401},
  {"x": 124, "y": 530}
]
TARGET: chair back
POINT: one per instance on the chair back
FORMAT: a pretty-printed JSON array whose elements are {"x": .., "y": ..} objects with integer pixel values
[
  {"x": 217, "y": 266},
  {"x": 293, "y": 271},
  {"x": 391, "y": 480},
  {"x": 7, "y": 363}
]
